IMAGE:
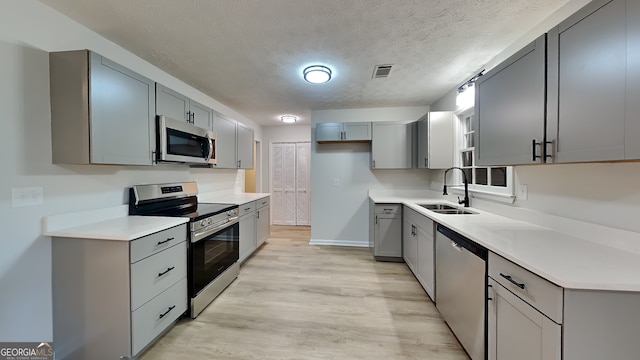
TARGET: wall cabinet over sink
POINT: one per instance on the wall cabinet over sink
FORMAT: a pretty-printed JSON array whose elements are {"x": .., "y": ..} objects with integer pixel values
[
  {"x": 592, "y": 83},
  {"x": 101, "y": 112}
]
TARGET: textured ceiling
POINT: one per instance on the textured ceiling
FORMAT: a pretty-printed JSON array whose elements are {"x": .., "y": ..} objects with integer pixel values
[{"x": 249, "y": 54}]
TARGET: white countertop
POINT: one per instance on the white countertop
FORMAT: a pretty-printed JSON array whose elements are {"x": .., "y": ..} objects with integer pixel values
[
  {"x": 107, "y": 224},
  {"x": 232, "y": 198},
  {"x": 568, "y": 261}
]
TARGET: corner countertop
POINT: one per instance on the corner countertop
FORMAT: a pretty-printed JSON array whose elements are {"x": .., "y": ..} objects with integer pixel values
[
  {"x": 231, "y": 198},
  {"x": 107, "y": 224},
  {"x": 568, "y": 261}
]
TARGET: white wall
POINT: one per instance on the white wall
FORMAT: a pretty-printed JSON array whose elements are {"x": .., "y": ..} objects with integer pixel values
[
  {"x": 271, "y": 134},
  {"x": 339, "y": 214},
  {"x": 28, "y": 30}
]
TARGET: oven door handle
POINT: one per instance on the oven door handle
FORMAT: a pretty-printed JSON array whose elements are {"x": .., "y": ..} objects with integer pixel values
[{"x": 197, "y": 236}]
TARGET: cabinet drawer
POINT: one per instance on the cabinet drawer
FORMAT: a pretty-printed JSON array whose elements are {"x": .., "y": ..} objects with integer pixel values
[
  {"x": 543, "y": 295},
  {"x": 155, "y": 316},
  {"x": 247, "y": 208},
  {"x": 151, "y": 244},
  {"x": 263, "y": 202},
  {"x": 388, "y": 209},
  {"x": 156, "y": 273}
]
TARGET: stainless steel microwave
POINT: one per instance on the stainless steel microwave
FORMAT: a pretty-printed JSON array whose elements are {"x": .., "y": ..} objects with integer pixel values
[{"x": 179, "y": 141}]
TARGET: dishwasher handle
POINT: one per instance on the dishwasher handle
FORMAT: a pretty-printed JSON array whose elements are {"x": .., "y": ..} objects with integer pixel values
[{"x": 461, "y": 241}]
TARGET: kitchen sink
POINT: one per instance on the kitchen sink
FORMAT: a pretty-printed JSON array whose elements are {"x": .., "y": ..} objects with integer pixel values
[
  {"x": 434, "y": 207},
  {"x": 446, "y": 209},
  {"x": 454, "y": 211}
]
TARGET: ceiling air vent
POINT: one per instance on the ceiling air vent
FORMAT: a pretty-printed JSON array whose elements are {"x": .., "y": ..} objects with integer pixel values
[{"x": 382, "y": 71}]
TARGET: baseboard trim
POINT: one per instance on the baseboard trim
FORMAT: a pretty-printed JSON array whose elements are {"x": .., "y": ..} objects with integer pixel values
[{"x": 338, "y": 243}]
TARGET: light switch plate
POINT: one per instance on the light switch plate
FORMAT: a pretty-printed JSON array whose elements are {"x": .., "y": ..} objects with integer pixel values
[
  {"x": 27, "y": 196},
  {"x": 336, "y": 182}
]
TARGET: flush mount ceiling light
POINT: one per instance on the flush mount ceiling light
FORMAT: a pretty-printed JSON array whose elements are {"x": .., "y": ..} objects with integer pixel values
[
  {"x": 289, "y": 119},
  {"x": 317, "y": 74}
]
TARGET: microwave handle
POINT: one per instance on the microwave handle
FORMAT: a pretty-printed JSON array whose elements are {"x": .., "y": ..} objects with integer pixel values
[{"x": 210, "y": 153}]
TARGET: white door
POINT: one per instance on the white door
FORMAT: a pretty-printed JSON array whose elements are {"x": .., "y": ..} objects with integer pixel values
[
  {"x": 302, "y": 184},
  {"x": 290, "y": 179},
  {"x": 277, "y": 185}
]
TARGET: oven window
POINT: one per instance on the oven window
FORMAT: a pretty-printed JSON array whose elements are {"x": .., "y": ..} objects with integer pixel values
[
  {"x": 180, "y": 143},
  {"x": 212, "y": 255}
]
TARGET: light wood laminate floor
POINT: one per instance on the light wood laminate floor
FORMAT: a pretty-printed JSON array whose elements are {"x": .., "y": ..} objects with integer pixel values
[{"x": 297, "y": 301}]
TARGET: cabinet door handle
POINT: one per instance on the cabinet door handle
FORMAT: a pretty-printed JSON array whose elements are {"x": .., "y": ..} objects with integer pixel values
[
  {"x": 533, "y": 150},
  {"x": 193, "y": 118},
  {"x": 425, "y": 162},
  {"x": 189, "y": 117},
  {"x": 376, "y": 219},
  {"x": 166, "y": 312},
  {"x": 545, "y": 153},
  {"x": 508, "y": 277},
  {"x": 164, "y": 241},
  {"x": 373, "y": 162},
  {"x": 239, "y": 162},
  {"x": 166, "y": 271}
]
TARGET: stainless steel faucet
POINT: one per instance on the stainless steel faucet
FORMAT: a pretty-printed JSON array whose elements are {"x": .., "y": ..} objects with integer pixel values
[{"x": 464, "y": 201}]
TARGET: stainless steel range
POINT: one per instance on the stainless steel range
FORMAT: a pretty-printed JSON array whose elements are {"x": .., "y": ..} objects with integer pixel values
[{"x": 214, "y": 234}]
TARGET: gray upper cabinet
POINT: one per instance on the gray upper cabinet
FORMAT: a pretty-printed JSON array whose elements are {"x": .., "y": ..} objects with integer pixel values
[
  {"x": 587, "y": 84},
  {"x": 177, "y": 106},
  {"x": 245, "y": 139},
  {"x": 101, "y": 112},
  {"x": 225, "y": 130},
  {"x": 510, "y": 109},
  {"x": 422, "y": 160},
  {"x": 392, "y": 145},
  {"x": 343, "y": 132},
  {"x": 234, "y": 143},
  {"x": 435, "y": 140}
]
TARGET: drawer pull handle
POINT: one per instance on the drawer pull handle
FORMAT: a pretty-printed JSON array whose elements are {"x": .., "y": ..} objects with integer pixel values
[
  {"x": 166, "y": 312},
  {"x": 166, "y": 271},
  {"x": 166, "y": 241},
  {"x": 388, "y": 209},
  {"x": 247, "y": 209},
  {"x": 508, "y": 277}
]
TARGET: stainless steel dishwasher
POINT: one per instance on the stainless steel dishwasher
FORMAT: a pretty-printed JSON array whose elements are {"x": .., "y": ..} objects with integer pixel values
[{"x": 461, "y": 277}]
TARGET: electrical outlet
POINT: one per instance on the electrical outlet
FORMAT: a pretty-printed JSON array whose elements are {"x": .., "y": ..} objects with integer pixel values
[
  {"x": 336, "y": 182},
  {"x": 27, "y": 196},
  {"x": 523, "y": 192}
]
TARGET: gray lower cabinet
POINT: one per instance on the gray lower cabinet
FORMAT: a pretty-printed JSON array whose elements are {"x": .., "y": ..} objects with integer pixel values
[
  {"x": 248, "y": 239},
  {"x": 172, "y": 104},
  {"x": 532, "y": 318},
  {"x": 510, "y": 109},
  {"x": 101, "y": 112},
  {"x": 392, "y": 145},
  {"x": 409, "y": 243},
  {"x": 343, "y": 132},
  {"x": 263, "y": 220},
  {"x": 524, "y": 314},
  {"x": 234, "y": 144},
  {"x": 419, "y": 248},
  {"x": 254, "y": 226},
  {"x": 113, "y": 297},
  {"x": 387, "y": 232}
]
